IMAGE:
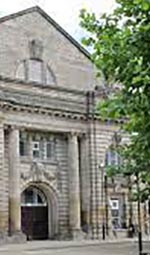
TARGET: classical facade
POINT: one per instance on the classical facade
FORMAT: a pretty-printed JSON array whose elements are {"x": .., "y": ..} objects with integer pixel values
[{"x": 52, "y": 148}]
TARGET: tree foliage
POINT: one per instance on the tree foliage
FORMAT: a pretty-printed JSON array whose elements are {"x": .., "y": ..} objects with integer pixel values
[{"x": 121, "y": 53}]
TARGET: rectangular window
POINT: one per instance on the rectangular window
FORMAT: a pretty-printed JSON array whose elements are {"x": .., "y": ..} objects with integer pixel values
[
  {"x": 36, "y": 149},
  {"x": 23, "y": 145},
  {"x": 114, "y": 204},
  {"x": 49, "y": 149},
  {"x": 22, "y": 148},
  {"x": 115, "y": 212},
  {"x": 43, "y": 147}
]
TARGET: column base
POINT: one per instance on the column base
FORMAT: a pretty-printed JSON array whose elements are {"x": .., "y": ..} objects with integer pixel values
[
  {"x": 3, "y": 237},
  {"x": 77, "y": 234},
  {"x": 17, "y": 237}
]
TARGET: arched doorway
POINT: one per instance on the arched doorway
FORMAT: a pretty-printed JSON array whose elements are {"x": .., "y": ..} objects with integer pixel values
[{"x": 34, "y": 214}]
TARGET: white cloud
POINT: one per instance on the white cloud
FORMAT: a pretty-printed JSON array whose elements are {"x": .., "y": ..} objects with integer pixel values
[{"x": 65, "y": 12}]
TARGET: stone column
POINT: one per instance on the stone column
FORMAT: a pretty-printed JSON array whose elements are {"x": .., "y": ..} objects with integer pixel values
[
  {"x": 14, "y": 183},
  {"x": 3, "y": 193},
  {"x": 74, "y": 183}
]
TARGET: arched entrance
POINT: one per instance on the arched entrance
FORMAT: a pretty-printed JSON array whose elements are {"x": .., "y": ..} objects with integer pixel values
[{"x": 34, "y": 214}]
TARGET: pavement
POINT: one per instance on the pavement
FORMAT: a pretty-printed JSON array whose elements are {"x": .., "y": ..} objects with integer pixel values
[{"x": 116, "y": 246}]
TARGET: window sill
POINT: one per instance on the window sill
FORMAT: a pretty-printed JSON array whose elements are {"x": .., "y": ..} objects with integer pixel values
[{"x": 24, "y": 159}]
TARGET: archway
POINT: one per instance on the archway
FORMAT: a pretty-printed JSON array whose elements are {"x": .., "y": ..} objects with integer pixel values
[{"x": 34, "y": 213}]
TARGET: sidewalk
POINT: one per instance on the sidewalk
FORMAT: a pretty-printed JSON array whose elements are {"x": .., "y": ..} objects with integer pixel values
[{"x": 48, "y": 244}]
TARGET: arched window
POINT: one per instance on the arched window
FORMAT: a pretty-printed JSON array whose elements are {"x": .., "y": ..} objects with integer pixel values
[{"x": 33, "y": 197}]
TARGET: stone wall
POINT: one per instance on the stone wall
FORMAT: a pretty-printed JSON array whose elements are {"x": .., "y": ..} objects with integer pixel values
[
  {"x": 72, "y": 68},
  {"x": 100, "y": 139},
  {"x": 63, "y": 185}
]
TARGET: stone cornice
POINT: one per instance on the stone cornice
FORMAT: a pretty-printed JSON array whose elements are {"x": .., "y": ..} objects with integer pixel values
[
  {"x": 70, "y": 104},
  {"x": 6, "y": 106},
  {"x": 38, "y": 110}
]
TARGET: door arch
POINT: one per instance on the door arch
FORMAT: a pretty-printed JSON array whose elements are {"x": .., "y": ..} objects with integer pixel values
[{"x": 34, "y": 213}]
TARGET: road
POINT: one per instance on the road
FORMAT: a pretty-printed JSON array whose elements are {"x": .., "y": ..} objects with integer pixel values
[{"x": 39, "y": 248}]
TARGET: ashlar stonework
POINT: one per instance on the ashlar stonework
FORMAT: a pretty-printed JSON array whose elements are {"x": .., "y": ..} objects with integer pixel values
[{"x": 52, "y": 148}]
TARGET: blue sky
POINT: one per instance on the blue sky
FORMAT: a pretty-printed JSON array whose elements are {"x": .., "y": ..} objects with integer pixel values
[{"x": 64, "y": 12}]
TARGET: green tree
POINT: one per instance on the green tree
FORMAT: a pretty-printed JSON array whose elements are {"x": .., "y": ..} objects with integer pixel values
[{"x": 120, "y": 44}]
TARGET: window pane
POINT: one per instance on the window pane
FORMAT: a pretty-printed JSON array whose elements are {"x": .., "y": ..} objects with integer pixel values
[
  {"x": 23, "y": 148},
  {"x": 36, "y": 149},
  {"x": 48, "y": 150},
  {"x": 112, "y": 158},
  {"x": 115, "y": 213},
  {"x": 115, "y": 223},
  {"x": 43, "y": 146},
  {"x": 33, "y": 196},
  {"x": 36, "y": 154},
  {"x": 22, "y": 151},
  {"x": 29, "y": 196},
  {"x": 39, "y": 199}
]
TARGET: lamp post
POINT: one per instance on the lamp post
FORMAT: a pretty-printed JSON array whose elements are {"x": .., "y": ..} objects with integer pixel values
[
  {"x": 102, "y": 200},
  {"x": 139, "y": 217},
  {"x": 130, "y": 223},
  {"x": 106, "y": 203}
]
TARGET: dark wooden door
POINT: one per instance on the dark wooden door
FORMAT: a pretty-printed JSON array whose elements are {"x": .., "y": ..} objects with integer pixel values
[{"x": 34, "y": 222}]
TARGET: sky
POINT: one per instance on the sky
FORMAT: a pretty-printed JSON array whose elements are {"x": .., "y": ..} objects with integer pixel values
[{"x": 64, "y": 12}]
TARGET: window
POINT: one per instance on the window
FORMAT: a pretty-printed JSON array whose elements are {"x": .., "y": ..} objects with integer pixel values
[
  {"x": 118, "y": 211},
  {"x": 29, "y": 199},
  {"x": 115, "y": 212},
  {"x": 33, "y": 197},
  {"x": 112, "y": 158},
  {"x": 37, "y": 145},
  {"x": 49, "y": 148},
  {"x": 36, "y": 149},
  {"x": 114, "y": 204},
  {"x": 22, "y": 148},
  {"x": 23, "y": 144}
]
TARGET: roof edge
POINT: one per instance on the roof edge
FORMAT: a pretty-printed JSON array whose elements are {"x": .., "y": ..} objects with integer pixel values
[{"x": 50, "y": 20}]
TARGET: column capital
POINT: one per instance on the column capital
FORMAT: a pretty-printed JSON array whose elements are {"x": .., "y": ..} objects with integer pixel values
[
  {"x": 77, "y": 134},
  {"x": 83, "y": 135},
  {"x": 72, "y": 135},
  {"x": 12, "y": 127}
]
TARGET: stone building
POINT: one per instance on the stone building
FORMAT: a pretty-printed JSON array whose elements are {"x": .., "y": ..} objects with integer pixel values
[{"x": 51, "y": 146}]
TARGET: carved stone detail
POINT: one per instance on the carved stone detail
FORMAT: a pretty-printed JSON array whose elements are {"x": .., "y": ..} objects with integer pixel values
[
  {"x": 36, "y": 49},
  {"x": 38, "y": 173}
]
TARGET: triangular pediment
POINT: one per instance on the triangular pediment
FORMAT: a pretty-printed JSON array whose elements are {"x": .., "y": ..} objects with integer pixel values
[
  {"x": 50, "y": 20},
  {"x": 66, "y": 63}
]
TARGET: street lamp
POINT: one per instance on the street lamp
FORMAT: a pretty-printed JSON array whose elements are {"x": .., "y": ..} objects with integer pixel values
[
  {"x": 106, "y": 202},
  {"x": 139, "y": 216},
  {"x": 102, "y": 200}
]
